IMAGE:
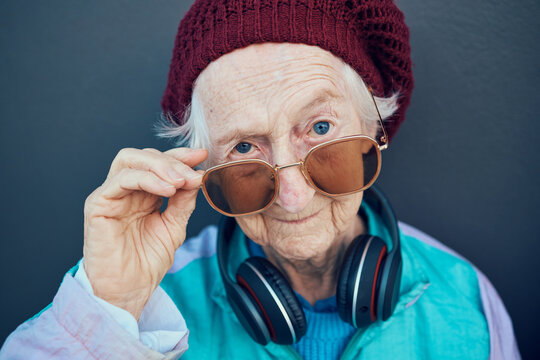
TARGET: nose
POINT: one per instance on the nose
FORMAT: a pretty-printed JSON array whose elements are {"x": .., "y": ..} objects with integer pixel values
[{"x": 294, "y": 191}]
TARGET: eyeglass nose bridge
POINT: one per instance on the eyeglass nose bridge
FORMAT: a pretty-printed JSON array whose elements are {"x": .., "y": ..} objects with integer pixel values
[{"x": 298, "y": 163}]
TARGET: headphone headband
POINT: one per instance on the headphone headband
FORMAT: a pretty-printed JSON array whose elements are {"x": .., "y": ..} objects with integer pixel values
[
  {"x": 225, "y": 233},
  {"x": 380, "y": 204}
]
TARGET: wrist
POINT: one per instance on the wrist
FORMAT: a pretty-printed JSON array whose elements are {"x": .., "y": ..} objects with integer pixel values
[{"x": 132, "y": 304}]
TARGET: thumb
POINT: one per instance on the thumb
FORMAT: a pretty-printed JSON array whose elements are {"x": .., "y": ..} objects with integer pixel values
[{"x": 176, "y": 216}]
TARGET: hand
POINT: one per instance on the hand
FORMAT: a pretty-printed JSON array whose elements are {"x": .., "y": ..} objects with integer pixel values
[{"x": 128, "y": 244}]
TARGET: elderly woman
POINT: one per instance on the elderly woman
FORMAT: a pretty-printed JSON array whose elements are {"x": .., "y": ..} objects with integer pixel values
[{"x": 285, "y": 106}]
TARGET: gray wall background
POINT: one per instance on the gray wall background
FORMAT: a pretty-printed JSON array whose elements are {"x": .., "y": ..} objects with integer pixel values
[{"x": 81, "y": 80}]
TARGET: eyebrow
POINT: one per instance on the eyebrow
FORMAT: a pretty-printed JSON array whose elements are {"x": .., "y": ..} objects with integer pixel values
[
  {"x": 239, "y": 134},
  {"x": 321, "y": 97}
]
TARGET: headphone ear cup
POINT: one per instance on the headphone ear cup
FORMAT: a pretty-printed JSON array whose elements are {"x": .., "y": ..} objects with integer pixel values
[
  {"x": 390, "y": 284},
  {"x": 248, "y": 313},
  {"x": 275, "y": 299},
  {"x": 357, "y": 290},
  {"x": 343, "y": 278}
]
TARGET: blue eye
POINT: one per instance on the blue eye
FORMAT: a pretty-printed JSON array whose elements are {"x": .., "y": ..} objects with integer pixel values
[
  {"x": 243, "y": 147},
  {"x": 322, "y": 127}
]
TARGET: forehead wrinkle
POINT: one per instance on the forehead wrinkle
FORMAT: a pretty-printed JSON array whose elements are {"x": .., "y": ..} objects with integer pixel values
[
  {"x": 309, "y": 67},
  {"x": 233, "y": 102},
  {"x": 254, "y": 76},
  {"x": 327, "y": 93},
  {"x": 323, "y": 96},
  {"x": 255, "y": 79},
  {"x": 319, "y": 83},
  {"x": 227, "y": 82},
  {"x": 309, "y": 77}
]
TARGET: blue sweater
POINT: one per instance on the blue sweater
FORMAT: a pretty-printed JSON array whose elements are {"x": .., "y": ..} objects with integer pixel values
[{"x": 327, "y": 335}]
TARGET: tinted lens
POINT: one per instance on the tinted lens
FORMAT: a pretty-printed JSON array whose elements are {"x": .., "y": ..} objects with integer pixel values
[
  {"x": 240, "y": 188},
  {"x": 344, "y": 166}
]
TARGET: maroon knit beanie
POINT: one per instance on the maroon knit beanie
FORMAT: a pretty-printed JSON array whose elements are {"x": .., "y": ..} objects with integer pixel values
[{"x": 369, "y": 35}]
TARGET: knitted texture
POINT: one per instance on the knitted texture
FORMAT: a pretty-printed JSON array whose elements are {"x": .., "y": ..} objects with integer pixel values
[
  {"x": 327, "y": 334},
  {"x": 369, "y": 35}
]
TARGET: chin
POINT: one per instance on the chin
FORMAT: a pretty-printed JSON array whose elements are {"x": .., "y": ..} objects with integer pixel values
[
  {"x": 302, "y": 240},
  {"x": 302, "y": 248}
]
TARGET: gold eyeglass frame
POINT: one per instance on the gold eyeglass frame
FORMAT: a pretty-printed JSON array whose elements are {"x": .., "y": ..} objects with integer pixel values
[{"x": 383, "y": 145}]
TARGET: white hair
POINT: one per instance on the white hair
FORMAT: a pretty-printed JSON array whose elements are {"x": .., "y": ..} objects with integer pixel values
[{"x": 194, "y": 131}]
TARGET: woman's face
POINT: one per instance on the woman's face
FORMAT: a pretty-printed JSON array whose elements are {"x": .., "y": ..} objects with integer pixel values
[{"x": 275, "y": 102}]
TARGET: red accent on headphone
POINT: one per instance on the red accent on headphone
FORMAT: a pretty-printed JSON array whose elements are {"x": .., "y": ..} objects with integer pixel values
[
  {"x": 244, "y": 283},
  {"x": 381, "y": 255}
]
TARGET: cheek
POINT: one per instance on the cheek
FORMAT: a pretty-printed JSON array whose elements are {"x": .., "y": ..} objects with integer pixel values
[
  {"x": 255, "y": 228},
  {"x": 344, "y": 210}
]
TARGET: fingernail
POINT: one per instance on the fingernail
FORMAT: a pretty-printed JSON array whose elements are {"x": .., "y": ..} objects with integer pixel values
[
  {"x": 175, "y": 175},
  {"x": 165, "y": 184},
  {"x": 193, "y": 176}
]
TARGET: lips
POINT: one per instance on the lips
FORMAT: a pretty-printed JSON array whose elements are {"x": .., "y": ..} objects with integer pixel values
[{"x": 299, "y": 221}]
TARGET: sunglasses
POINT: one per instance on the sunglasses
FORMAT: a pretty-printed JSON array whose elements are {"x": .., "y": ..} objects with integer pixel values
[{"x": 334, "y": 168}]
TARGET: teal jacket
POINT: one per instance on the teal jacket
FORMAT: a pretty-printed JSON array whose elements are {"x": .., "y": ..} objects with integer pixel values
[
  {"x": 440, "y": 313},
  {"x": 447, "y": 310}
]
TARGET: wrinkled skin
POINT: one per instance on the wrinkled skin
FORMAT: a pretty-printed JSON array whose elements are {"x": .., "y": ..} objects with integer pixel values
[
  {"x": 128, "y": 244},
  {"x": 268, "y": 96}
]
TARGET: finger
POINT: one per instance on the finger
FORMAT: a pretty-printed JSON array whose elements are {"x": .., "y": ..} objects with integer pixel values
[
  {"x": 192, "y": 178},
  {"x": 155, "y": 151},
  {"x": 190, "y": 157},
  {"x": 130, "y": 180},
  {"x": 166, "y": 167},
  {"x": 176, "y": 216}
]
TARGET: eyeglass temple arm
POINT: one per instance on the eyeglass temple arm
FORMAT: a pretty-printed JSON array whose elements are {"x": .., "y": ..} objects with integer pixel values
[{"x": 384, "y": 137}]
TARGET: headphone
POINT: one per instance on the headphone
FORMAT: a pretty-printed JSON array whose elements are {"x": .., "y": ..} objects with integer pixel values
[{"x": 367, "y": 289}]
